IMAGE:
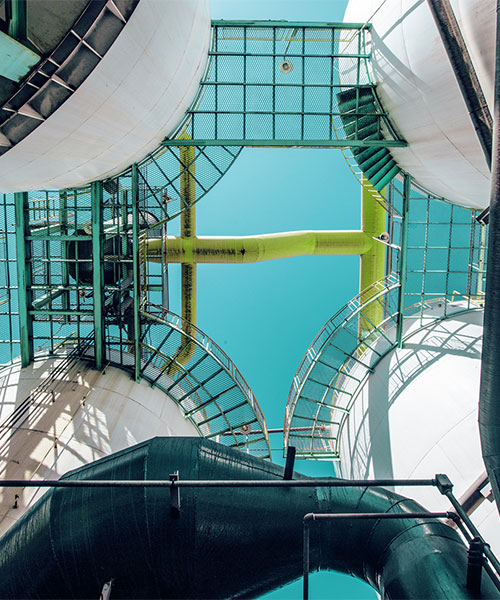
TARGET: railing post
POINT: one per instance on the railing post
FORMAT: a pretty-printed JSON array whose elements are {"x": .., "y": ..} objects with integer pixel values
[
  {"x": 135, "y": 266},
  {"x": 63, "y": 223},
  {"x": 305, "y": 558},
  {"x": 403, "y": 258},
  {"x": 23, "y": 249},
  {"x": 97, "y": 272}
]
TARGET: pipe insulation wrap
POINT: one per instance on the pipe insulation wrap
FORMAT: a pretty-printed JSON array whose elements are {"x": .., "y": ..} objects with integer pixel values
[
  {"x": 256, "y": 248},
  {"x": 225, "y": 543}
]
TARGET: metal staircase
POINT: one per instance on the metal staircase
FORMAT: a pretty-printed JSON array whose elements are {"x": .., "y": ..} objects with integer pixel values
[{"x": 360, "y": 114}]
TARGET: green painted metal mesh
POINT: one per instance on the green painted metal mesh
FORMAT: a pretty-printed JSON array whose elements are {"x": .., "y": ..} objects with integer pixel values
[
  {"x": 445, "y": 275},
  {"x": 208, "y": 387},
  {"x": 280, "y": 84}
]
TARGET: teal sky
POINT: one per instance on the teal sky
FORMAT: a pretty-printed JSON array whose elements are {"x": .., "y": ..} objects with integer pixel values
[{"x": 265, "y": 315}]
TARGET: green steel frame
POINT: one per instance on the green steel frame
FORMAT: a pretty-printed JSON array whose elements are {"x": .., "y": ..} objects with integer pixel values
[
  {"x": 247, "y": 99},
  {"x": 50, "y": 302},
  {"x": 23, "y": 251},
  {"x": 98, "y": 272},
  {"x": 423, "y": 272}
]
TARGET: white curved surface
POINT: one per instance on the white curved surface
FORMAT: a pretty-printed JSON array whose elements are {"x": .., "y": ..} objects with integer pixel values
[
  {"x": 416, "y": 416},
  {"x": 136, "y": 95},
  {"x": 418, "y": 88},
  {"x": 90, "y": 415}
]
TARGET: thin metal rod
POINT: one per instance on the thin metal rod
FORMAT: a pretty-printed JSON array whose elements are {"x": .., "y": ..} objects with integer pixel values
[
  {"x": 97, "y": 271},
  {"x": 250, "y": 483},
  {"x": 290, "y": 24},
  {"x": 305, "y": 560},
  {"x": 295, "y": 143},
  {"x": 472, "y": 528},
  {"x": 403, "y": 255},
  {"x": 409, "y": 515},
  {"x": 310, "y": 517},
  {"x": 135, "y": 267}
]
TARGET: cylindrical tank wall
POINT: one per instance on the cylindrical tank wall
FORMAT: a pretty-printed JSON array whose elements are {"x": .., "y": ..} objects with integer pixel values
[
  {"x": 136, "y": 95},
  {"x": 419, "y": 90},
  {"x": 416, "y": 416},
  {"x": 55, "y": 419}
]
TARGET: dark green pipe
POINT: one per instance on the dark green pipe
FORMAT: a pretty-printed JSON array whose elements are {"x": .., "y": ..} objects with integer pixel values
[
  {"x": 466, "y": 76},
  {"x": 234, "y": 543},
  {"x": 489, "y": 396}
]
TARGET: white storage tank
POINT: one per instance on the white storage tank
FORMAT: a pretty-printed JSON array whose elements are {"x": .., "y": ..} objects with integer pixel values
[
  {"x": 416, "y": 416},
  {"x": 136, "y": 95},
  {"x": 418, "y": 89},
  {"x": 56, "y": 416}
]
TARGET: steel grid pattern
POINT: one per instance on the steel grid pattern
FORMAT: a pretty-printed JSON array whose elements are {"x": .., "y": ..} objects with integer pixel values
[
  {"x": 209, "y": 389},
  {"x": 444, "y": 274},
  {"x": 277, "y": 84}
]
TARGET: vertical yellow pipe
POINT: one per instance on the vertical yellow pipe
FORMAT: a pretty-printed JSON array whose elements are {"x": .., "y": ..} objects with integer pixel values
[
  {"x": 374, "y": 218},
  {"x": 188, "y": 271}
]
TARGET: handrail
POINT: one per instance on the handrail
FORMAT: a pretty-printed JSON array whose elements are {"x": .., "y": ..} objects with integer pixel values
[
  {"x": 363, "y": 344},
  {"x": 161, "y": 316}
]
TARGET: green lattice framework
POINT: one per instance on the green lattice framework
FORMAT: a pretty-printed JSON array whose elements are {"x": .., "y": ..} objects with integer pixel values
[
  {"x": 436, "y": 264},
  {"x": 276, "y": 83},
  {"x": 247, "y": 98}
]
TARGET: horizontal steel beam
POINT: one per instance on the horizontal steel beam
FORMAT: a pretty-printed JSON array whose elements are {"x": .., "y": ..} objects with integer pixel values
[
  {"x": 291, "y": 24},
  {"x": 194, "y": 483},
  {"x": 289, "y": 143}
]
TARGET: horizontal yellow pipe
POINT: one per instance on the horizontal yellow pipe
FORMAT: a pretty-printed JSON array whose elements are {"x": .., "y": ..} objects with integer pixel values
[{"x": 258, "y": 248}]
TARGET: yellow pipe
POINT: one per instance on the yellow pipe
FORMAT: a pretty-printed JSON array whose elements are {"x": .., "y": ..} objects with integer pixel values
[
  {"x": 188, "y": 271},
  {"x": 258, "y": 248},
  {"x": 374, "y": 217}
]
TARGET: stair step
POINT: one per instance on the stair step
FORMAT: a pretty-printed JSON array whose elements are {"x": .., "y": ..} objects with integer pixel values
[
  {"x": 372, "y": 172},
  {"x": 348, "y": 101},
  {"x": 371, "y": 129},
  {"x": 387, "y": 178},
  {"x": 381, "y": 173},
  {"x": 367, "y": 159}
]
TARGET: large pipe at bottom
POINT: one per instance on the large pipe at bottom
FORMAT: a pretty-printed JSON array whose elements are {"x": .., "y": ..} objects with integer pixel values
[{"x": 225, "y": 543}]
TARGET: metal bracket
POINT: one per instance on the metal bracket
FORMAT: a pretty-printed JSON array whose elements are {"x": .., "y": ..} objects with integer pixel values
[
  {"x": 290, "y": 462},
  {"x": 443, "y": 484},
  {"x": 106, "y": 590},
  {"x": 475, "y": 564},
  {"x": 175, "y": 496}
]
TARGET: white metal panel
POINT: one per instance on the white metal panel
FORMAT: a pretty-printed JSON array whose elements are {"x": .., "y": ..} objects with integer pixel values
[
  {"x": 136, "y": 96},
  {"x": 91, "y": 415},
  {"x": 419, "y": 90},
  {"x": 416, "y": 415}
]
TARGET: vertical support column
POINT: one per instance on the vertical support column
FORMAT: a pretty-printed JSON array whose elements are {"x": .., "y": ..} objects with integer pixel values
[
  {"x": 463, "y": 68},
  {"x": 18, "y": 22},
  {"x": 489, "y": 396},
  {"x": 23, "y": 249},
  {"x": 373, "y": 217},
  {"x": 98, "y": 272},
  {"x": 135, "y": 266},
  {"x": 63, "y": 223},
  {"x": 123, "y": 229},
  {"x": 188, "y": 231},
  {"x": 164, "y": 263},
  {"x": 403, "y": 258}
]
